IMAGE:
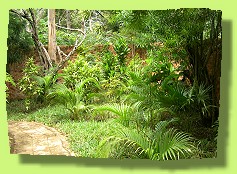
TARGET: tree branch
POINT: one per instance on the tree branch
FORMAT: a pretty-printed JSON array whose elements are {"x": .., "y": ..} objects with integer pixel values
[
  {"x": 71, "y": 29},
  {"x": 77, "y": 44}
]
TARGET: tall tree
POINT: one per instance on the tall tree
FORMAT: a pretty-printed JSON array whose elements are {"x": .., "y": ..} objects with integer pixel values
[
  {"x": 46, "y": 62},
  {"x": 29, "y": 15}
]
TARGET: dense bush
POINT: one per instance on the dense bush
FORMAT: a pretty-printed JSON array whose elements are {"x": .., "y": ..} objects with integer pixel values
[
  {"x": 19, "y": 41},
  {"x": 27, "y": 84},
  {"x": 79, "y": 70}
]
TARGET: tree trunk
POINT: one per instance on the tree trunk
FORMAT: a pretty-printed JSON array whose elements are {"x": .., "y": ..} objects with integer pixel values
[
  {"x": 43, "y": 54},
  {"x": 90, "y": 22},
  {"x": 205, "y": 59},
  {"x": 52, "y": 35},
  {"x": 68, "y": 18}
]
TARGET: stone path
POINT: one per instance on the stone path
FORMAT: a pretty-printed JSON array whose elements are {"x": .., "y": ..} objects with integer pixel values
[{"x": 36, "y": 139}]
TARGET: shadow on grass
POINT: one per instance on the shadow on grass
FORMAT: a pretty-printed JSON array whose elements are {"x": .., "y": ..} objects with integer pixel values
[{"x": 219, "y": 162}]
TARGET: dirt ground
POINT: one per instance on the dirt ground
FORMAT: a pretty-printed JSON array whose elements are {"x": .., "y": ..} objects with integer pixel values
[{"x": 36, "y": 139}]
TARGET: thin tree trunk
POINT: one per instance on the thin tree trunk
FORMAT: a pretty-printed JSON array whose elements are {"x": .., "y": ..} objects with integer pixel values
[
  {"x": 43, "y": 54},
  {"x": 52, "y": 35},
  {"x": 68, "y": 13},
  {"x": 90, "y": 22}
]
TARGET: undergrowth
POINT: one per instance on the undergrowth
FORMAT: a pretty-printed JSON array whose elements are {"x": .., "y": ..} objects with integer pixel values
[{"x": 85, "y": 136}]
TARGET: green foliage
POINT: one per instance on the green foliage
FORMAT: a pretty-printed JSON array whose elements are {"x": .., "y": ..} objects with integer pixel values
[
  {"x": 43, "y": 31},
  {"x": 161, "y": 144},
  {"x": 79, "y": 70},
  {"x": 141, "y": 95},
  {"x": 94, "y": 39},
  {"x": 66, "y": 37},
  {"x": 46, "y": 83},
  {"x": 73, "y": 100},
  {"x": 160, "y": 67},
  {"x": 186, "y": 98},
  {"x": 10, "y": 80},
  {"x": 19, "y": 42},
  {"x": 84, "y": 137},
  {"x": 113, "y": 88},
  {"x": 48, "y": 115},
  {"x": 34, "y": 84},
  {"x": 123, "y": 111},
  {"x": 122, "y": 49},
  {"x": 109, "y": 65},
  {"x": 27, "y": 84},
  {"x": 147, "y": 96}
]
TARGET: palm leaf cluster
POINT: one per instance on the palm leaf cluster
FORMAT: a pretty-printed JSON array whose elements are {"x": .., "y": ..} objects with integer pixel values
[
  {"x": 72, "y": 99},
  {"x": 160, "y": 144}
]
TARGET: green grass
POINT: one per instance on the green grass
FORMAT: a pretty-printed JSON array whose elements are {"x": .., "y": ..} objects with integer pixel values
[
  {"x": 49, "y": 115},
  {"x": 83, "y": 136}
]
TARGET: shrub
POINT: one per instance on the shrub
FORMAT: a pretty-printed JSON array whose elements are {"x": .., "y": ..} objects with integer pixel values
[
  {"x": 79, "y": 70},
  {"x": 10, "y": 80},
  {"x": 27, "y": 84}
]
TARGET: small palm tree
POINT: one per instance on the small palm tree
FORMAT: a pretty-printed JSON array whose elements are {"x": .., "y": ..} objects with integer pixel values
[
  {"x": 46, "y": 84},
  {"x": 73, "y": 100},
  {"x": 161, "y": 144}
]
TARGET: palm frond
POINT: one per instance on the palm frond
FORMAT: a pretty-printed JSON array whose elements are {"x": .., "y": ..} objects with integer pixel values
[
  {"x": 163, "y": 144},
  {"x": 162, "y": 125},
  {"x": 73, "y": 100},
  {"x": 172, "y": 144},
  {"x": 79, "y": 86},
  {"x": 123, "y": 111}
]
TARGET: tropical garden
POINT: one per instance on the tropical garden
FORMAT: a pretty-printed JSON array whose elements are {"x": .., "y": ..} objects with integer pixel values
[{"x": 137, "y": 84}]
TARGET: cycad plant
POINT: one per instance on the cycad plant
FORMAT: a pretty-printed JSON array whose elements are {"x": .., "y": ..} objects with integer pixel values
[
  {"x": 73, "y": 99},
  {"x": 160, "y": 144}
]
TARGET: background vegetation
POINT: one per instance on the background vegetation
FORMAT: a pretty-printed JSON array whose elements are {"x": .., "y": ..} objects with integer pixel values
[{"x": 144, "y": 84}]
